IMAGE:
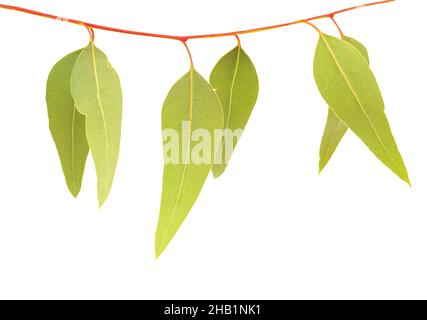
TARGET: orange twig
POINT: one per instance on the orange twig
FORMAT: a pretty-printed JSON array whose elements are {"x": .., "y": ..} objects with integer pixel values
[
  {"x": 338, "y": 27},
  {"x": 185, "y": 38},
  {"x": 189, "y": 54}
]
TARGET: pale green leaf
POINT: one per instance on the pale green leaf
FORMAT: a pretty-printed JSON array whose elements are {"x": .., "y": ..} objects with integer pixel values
[
  {"x": 66, "y": 124},
  {"x": 192, "y": 101},
  {"x": 235, "y": 81},
  {"x": 335, "y": 129},
  {"x": 359, "y": 46},
  {"x": 95, "y": 87},
  {"x": 349, "y": 87}
]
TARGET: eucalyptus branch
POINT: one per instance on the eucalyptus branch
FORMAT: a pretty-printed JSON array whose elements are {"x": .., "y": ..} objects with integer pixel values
[
  {"x": 203, "y": 119},
  {"x": 188, "y": 37}
]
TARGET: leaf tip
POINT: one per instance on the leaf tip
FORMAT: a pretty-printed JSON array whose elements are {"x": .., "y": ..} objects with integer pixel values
[
  {"x": 101, "y": 203},
  {"x": 408, "y": 181},
  {"x": 218, "y": 170},
  {"x": 103, "y": 194},
  {"x": 403, "y": 174},
  {"x": 157, "y": 256},
  {"x": 74, "y": 190},
  {"x": 321, "y": 167},
  {"x": 160, "y": 248},
  {"x": 216, "y": 174}
]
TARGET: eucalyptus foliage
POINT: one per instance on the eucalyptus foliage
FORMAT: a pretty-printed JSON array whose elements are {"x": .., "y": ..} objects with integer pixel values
[
  {"x": 200, "y": 119},
  {"x": 349, "y": 87}
]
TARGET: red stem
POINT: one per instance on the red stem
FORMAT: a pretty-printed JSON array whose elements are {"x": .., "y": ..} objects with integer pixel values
[
  {"x": 185, "y": 38},
  {"x": 338, "y": 27},
  {"x": 189, "y": 54},
  {"x": 313, "y": 26}
]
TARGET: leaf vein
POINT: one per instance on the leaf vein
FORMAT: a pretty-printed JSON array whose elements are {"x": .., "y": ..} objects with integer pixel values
[
  {"x": 188, "y": 158},
  {"x": 73, "y": 141},
  {"x": 101, "y": 107}
]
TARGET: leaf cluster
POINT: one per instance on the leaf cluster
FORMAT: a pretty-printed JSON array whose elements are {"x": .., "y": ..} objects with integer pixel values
[{"x": 84, "y": 102}]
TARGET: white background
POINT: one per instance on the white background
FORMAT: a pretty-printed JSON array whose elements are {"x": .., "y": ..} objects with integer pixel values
[{"x": 270, "y": 227}]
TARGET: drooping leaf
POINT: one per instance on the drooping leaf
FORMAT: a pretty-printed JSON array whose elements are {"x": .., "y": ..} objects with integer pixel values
[
  {"x": 192, "y": 112},
  {"x": 335, "y": 129},
  {"x": 349, "y": 87},
  {"x": 66, "y": 124},
  {"x": 235, "y": 81},
  {"x": 95, "y": 87}
]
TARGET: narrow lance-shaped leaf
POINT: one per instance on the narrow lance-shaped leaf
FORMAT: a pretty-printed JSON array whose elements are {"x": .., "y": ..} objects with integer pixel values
[
  {"x": 335, "y": 129},
  {"x": 191, "y": 117},
  {"x": 66, "y": 124},
  {"x": 235, "y": 81},
  {"x": 95, "y": 87},
  {"x": 349, "y": 87}
]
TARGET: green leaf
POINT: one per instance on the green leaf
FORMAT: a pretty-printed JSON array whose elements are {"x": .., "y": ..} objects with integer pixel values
[
  {"x": 66, "y": 124},
  {"x": 95, "y": 87},
  {"x": 359, "y": 46},
  {"x": 335, "y": 129},
  {"x": 349, "y": 87},
  {"x": 192, "y": 110},
  {"x": 235, "y": 81}
]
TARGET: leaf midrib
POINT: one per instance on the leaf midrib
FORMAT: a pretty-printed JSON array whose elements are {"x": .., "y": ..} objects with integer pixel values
[
  {"x": 233, "y": 82},
  {"x": 329, "y": 145},
  {"x": 73, "y": 160},
  {"x": 101, "y": 107},
  {"x": 230, "y": 102},
  {"x": 184, "y": 172},
  {"x": 347, "y": 81}
]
